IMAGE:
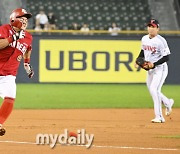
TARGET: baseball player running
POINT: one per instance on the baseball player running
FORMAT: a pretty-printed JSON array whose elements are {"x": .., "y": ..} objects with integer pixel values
[
  {"x": 155, "y": 50},
  {"x": 15, "y": 44}
]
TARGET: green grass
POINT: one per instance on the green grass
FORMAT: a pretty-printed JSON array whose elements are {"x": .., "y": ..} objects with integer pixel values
[
  {"x": 42, "y": 96},
  {"x": 172, "y": 137}
]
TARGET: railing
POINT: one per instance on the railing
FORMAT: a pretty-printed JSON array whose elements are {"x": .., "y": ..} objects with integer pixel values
[{"x": 176, "y": 32}]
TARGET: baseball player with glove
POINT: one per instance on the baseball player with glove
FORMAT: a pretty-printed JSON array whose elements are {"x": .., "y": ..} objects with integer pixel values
[
  {"x": 153, "y": 58},
  {"x": 15, "y": 44}
]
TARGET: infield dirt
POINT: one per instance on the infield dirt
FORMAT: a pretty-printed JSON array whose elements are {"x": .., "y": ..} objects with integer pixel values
[{"x": 115, "y": 131}]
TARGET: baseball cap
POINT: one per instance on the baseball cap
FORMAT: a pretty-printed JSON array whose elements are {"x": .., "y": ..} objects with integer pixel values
[{"x": 153, "y": 22}]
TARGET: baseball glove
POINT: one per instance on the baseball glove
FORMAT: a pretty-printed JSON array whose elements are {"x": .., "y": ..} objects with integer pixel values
[{"x": 142, "y": 63}]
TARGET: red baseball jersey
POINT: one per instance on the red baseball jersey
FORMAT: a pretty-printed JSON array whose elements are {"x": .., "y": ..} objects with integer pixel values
[{"x": 11, "y": 56}]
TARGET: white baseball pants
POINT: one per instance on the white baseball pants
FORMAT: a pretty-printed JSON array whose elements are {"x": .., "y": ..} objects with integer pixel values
[
  {"x": 155, "y": 80},
  {"x": 7, "y": 86}
]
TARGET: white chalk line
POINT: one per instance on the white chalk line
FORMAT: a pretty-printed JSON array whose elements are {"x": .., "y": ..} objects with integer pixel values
[{"x": 99, "y": 146}]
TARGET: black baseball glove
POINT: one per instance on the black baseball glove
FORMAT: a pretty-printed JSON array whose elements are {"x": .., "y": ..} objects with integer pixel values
[{"x": 142, "y": 63}]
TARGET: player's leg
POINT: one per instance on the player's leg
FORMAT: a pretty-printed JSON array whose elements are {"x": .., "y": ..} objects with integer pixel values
[
  {"x": 150, "y": 83},
  {"x": 153, "y": 88},
  {"x": 8, "y": 93},
  {"x": 164, "y": 99},
  {"x": 6, "y": 109},
  {"x": 168, "y": 103},
  {"x": 149, "y": 79}
]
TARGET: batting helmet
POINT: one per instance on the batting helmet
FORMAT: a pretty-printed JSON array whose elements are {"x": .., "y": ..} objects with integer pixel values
[{"x": 17, "y": 13}]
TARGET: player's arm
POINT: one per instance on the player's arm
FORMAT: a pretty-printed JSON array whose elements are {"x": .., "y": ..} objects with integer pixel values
[
  {"x": 141, "y": 54},
  {"x": 162, "y": 60},
  {"x": 27, "y": 55},
  {"x": 159, "y": 62},
  {"x": 4, "y": 42},
  {"x": 27, "y": 65}
]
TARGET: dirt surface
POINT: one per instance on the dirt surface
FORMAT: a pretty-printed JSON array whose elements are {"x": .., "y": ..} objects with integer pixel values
[{"x": 116, "y": 131}]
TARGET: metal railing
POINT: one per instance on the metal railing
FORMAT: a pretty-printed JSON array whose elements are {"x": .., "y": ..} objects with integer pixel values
[{"x": 173, "y": 32}]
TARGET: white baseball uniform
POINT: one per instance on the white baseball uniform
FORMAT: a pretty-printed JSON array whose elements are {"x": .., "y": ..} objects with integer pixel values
[
  {"x": 10, "y": 58},
  {"x": 7, "y": 86},
  {"x": 154, "y": 49}
]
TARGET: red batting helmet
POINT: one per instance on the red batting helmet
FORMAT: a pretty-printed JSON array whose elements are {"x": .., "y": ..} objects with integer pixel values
[{"x": 17, "y": 13}]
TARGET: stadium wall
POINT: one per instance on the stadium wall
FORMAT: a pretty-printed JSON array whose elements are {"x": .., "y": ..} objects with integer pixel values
[{"x": 92, "y": 59}]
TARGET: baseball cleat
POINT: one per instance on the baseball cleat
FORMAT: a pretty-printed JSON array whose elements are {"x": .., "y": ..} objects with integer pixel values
[
  {"x": 168, "y": 110},
  {"x": 157, "y": 120},
  {"x": 2, "y": 130}
]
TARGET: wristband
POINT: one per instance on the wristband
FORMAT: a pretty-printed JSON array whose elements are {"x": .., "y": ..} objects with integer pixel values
[{"x": 27, "y": 60}]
